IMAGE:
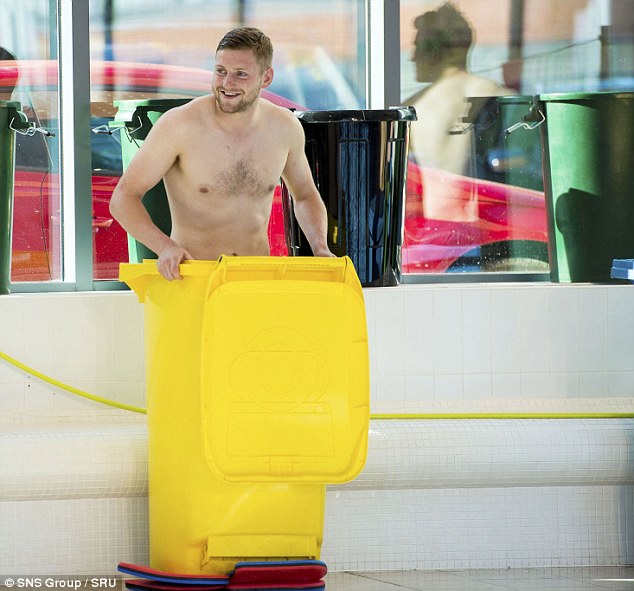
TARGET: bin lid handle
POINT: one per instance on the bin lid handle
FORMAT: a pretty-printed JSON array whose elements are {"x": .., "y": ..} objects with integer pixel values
[{"x": 526, "y": 124}]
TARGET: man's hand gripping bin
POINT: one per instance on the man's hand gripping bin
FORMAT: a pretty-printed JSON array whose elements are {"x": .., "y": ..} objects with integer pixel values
[{"x": 258, "y": 396}]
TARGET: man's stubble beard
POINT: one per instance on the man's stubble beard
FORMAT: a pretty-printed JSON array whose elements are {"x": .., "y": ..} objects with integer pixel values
[{"x": 240, "y": 107}]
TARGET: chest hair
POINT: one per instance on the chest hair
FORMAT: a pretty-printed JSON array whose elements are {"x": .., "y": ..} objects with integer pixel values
[{"x": 243, "y": 177}]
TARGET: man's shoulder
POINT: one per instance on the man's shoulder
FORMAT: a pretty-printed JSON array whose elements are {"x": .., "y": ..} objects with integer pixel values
[
  {"x": 182, "y": 117},
  {"x": 187, "y": 110},
  {"x": 192, "y": 108},
  {"x": 282, "y": 118},
  {"x": 283, "y": 113},
  {"x": 175, "y": 125}
]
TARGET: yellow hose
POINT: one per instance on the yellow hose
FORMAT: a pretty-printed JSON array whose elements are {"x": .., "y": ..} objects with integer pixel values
[
  {"x": 506, "y": 415},
  {"x": 376, "y": 417},
  {"x": 71, "y": 389}
]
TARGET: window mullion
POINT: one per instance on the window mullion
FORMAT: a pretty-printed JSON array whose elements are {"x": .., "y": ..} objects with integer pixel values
[
  {"x": 384, "y": 59},
  {"x": 76, "y": 166}
]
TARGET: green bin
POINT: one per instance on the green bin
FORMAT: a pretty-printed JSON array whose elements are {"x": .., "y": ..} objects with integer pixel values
[
  {"x": 11, "y": 118},
  {"x": 136, "y": 118},
  {"x": 588, "y": 160}
]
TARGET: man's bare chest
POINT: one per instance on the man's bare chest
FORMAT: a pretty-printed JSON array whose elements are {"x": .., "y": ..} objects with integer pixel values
[{"x": 234, "y": 169}]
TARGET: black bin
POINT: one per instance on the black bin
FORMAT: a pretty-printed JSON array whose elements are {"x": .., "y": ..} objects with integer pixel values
[{"x": 359, "y": 163}]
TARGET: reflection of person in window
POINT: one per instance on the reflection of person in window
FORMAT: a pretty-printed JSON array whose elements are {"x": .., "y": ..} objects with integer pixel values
[
  {"x": 10, "y": 74},
  {"x": 443, "y": 40}
]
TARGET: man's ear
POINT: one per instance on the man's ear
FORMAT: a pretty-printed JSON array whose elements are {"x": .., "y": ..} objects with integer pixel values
[{"x": 267, "y": 78}]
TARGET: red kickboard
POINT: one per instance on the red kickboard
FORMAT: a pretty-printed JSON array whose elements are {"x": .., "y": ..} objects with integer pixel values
[
  {"x": 147, "y": 585},
  {"x": 282, "y": 572},
  {"x": 315, "y": 586},
  {"x": 165, "y": 577}
]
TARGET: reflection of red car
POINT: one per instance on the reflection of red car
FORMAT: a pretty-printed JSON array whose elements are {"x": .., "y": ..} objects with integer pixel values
[
  {"x": 483, "y": 226},
  {"x": 493, "y": 218}
]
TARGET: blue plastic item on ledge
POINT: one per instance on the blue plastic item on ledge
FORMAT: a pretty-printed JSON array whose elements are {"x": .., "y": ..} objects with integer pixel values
[{"x": 623, "y": 269}]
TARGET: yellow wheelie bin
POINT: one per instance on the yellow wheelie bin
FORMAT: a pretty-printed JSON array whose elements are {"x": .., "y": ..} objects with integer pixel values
[{"x": 258, "y": 396}]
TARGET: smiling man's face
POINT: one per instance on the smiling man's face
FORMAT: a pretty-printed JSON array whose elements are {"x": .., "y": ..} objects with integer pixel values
[{"x": 238, "y": 79}]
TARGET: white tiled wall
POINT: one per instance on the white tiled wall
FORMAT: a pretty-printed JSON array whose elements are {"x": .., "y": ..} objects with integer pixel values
[
  {"x": 433, "y": 348},
  {"x": 378, "y": 530},
  {"x": 72, "y": 536},
  {"x": 463, "y": 528},
  {"x": 474, "y": 347},
  {"x": 488, "y": 347},
  {"x": 91, "y": 341},
  {"x": 434, "y": 494}
]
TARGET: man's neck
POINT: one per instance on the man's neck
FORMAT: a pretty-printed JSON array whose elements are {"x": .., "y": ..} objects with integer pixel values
[{"x": 240, "y": 122}]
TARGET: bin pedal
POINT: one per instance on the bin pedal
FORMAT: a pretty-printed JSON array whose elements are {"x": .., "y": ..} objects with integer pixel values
[{"x": 282, "y": 575}]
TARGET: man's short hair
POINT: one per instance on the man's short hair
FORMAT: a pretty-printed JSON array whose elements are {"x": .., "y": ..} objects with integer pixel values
[
  {"x": 252, "y": 39},
  {"x": 441, "y": 30}
]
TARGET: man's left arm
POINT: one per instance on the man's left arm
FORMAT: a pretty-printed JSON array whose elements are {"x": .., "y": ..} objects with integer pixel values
[{"x": 310, "y": 210}]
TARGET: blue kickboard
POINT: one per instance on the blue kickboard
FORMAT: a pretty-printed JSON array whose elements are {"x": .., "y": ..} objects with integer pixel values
[
  {"x": 163, "y": 577},
  {"x": 622, "y": 269}
]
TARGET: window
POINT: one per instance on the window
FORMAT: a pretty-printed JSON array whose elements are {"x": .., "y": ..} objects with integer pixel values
[
  {"x": 475, "y": 200},
  {"x": 28, "y": 75}
]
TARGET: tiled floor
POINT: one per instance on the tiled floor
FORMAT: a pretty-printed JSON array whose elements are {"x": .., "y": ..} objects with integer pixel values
[{"x": 537, "y": 579}]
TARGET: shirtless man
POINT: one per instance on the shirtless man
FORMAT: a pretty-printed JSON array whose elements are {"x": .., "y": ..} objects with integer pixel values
[{"x": 220, "y": 157}]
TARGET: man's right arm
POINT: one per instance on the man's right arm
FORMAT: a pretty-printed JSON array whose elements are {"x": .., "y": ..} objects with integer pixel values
[{"x": 150, "y": 164}]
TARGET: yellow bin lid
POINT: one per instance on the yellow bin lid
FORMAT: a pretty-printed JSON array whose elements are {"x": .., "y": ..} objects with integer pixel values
[
  {"x": 285, "y": 385},
  {"x": 284, "y": 370},
  {"x": 142, "y": 277}
]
